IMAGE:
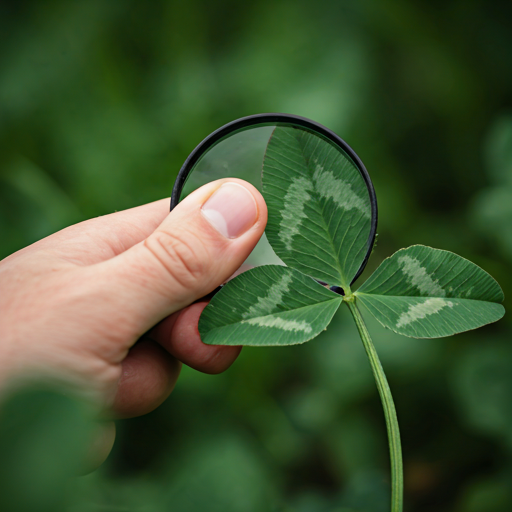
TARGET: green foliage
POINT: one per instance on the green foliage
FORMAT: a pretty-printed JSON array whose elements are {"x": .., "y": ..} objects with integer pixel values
[
  {"x": 492, "y": 208},
  {"x": 268, "y": 305},
  {"x": 483, "y": 381},
  {"x": 316, "y": 223},
  {"x": 105, "y": 101},
  {"x": 310, "y": 187},
  {"x": 318, "y": 204},
  {"x": 44, "y": 440},
  {"x": 428, "y": 293}
]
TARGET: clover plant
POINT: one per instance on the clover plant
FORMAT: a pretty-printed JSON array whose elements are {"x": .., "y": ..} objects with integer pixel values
[{"x": 319, "y": 220}]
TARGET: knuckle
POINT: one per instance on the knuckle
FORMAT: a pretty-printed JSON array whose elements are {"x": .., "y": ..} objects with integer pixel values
[{"x": 183, "y": 256}]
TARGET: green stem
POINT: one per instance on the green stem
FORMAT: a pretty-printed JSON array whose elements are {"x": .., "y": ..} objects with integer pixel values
[{"x": 395, "y": 449}]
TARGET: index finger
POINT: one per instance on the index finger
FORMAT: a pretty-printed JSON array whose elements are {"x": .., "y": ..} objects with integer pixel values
[
  {"x": 179, "y": 335},
  {"x": 102, "y": 238}
]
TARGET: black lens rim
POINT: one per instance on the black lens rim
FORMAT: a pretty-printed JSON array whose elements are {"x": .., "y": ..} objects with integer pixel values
[{"x": 267, "y": 119}]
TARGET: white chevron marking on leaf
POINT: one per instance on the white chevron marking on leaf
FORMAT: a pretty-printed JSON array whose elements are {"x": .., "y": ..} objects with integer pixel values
[
  {"x": 468, "y": 292},
  {"x": 267, "y": 304},
  {"x": 419, "y": 277},
  {"x": 340, "y": 191},
  {"x": 419, "y": 311},
  {"x": 293, "y": 212},
  {"x": 279, "y": 323}
]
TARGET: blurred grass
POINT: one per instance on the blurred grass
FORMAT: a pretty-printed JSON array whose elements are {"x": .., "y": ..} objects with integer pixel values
[{"x": 101, "y": 102}]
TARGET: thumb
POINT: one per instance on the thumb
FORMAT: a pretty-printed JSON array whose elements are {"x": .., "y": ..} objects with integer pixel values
[{"x": 198, "y": 246}]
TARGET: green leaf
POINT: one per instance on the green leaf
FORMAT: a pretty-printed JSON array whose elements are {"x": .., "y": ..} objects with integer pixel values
[
  {"x": 319, "y": 206},
  {"x": 268, "y": 305},
  {"x": 429, "y": 293},
  {"x": 44, "y": 440}
]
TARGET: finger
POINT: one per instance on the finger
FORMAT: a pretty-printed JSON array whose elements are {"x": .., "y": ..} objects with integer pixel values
[
  {"x": 179, "y": 335},
  {"x": 196, "y": 248},
  {"x": 104, "y": 437},
  {"x": 149, "y": 374},
  {"x": 99, "y": 239}
]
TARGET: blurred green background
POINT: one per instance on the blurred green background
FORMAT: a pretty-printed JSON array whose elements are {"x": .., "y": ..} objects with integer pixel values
[{"x": 101, "y": 102}]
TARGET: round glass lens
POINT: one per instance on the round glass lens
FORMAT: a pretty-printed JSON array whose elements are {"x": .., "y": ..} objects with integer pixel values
[{"x": 321, "y": 202}]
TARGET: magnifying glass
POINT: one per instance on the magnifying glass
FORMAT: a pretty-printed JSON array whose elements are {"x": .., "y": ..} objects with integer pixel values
[{"x": 239, "y": 150}]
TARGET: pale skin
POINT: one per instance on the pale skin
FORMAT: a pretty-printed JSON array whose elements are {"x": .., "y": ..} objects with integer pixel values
[{"x": 107, "y": 306}]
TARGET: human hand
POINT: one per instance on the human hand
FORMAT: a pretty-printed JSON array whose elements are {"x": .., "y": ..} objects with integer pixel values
[{"x": 73, "y": 305}]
